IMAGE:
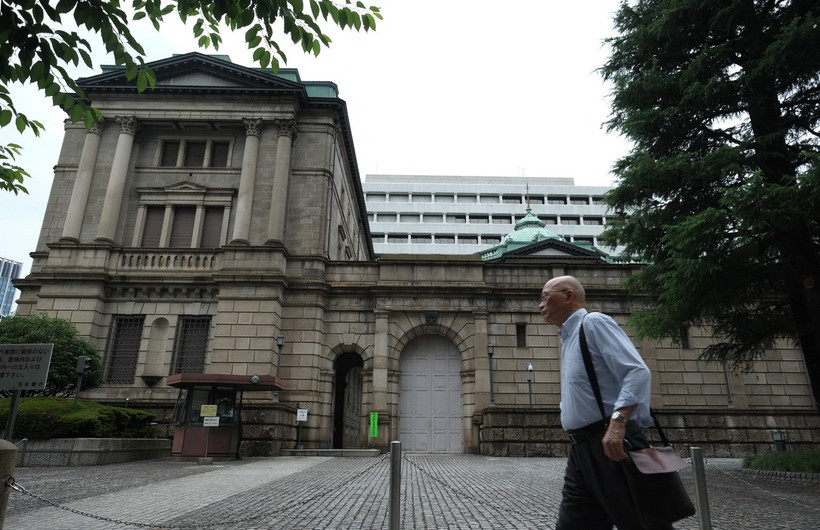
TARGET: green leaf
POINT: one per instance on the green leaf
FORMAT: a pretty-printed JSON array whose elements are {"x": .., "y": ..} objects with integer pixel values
[
  {"x": 21, "y": 123},
  {"x": 5, "y": 117},
  {"x": 52, "y": 89},
  {"x": 77, "y": 113},
  {"x": 37, "y": 71},
  {"x": 142, "y": 82}
]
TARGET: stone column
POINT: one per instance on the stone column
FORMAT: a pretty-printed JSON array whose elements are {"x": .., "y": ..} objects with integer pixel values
[
  {"x": 116, "y": 181},
  {"x": 381, "y": 362},
  {"x": 247, "y": 179},
  {"x": 281, "y": 177},
  {"x": 82, "y": 184},
  {"x": 482, "y": 361}
]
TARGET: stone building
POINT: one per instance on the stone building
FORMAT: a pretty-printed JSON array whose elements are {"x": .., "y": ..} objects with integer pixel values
[{"x": 206, "y": 218}]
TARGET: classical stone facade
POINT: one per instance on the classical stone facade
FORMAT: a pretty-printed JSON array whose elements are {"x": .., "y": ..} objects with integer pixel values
[{"x": 208, "y": 217}]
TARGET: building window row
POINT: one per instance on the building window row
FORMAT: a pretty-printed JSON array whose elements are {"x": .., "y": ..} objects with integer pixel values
[
  {"x": 182, "y": 216},
  {"x": 461, "y": 239},
  {"x": 480, "y": 219},
  {"x": 482, "y": 198},
  {"x": 194, "y": 152}
]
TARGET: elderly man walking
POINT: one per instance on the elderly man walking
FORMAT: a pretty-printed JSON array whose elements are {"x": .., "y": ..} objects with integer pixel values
[{"x": 595, "y": 494}]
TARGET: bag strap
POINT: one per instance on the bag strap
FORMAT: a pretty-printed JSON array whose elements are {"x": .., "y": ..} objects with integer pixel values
[{"x": 593, "y": 379}]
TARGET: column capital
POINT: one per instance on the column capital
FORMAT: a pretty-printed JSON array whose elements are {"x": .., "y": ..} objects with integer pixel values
[
  {"x": 98, "y": 127},
  {"x": 128, "y": 124},
  {"x": 253, "y": 126},
  {"x": 287, "y": 127}
]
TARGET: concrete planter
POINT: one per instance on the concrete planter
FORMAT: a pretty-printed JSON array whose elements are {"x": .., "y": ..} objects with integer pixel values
[{"x": 89, "y": 451}]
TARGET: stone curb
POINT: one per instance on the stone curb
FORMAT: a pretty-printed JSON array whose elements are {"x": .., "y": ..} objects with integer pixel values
[{"x": 809, "y": 479}]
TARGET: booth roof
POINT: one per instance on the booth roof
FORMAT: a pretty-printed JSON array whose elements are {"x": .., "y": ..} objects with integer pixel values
[{"x": 239, "y": 382}]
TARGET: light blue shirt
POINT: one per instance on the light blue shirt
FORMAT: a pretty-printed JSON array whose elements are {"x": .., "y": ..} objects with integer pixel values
[{"x": 623, "y": 377}]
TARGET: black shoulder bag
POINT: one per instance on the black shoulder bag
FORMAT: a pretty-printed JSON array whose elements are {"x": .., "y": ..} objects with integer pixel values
[{"x": 652, "y": 473}]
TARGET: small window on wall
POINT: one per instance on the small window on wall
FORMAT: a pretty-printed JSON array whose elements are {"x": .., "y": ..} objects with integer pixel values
[
  {"x": 520, "y": 335},
  {"x": 182, "y": 229},
  {"x": 219, "y": 154},
  {"x": 212, "y": 227},
  {"x": 195, "y": 154},
  {"x": 169, "y": 153},
  {"x": 151, "y": 234},
  {"x": 684, "y": 338},
  {"x": 122, "y": 351},
  {"x": 191, "y": 345}
]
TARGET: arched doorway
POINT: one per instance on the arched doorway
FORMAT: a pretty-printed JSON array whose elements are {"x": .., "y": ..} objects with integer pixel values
[
  {"x": 430, "y": 400},
  {"x": 347, "y": 402}
]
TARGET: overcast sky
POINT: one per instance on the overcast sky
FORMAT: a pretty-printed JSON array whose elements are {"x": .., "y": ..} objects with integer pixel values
[{"x": 443, "y": 87}]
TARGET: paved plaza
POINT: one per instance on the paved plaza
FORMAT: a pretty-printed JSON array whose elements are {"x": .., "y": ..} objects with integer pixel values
[{"x": 438, "y": 491}]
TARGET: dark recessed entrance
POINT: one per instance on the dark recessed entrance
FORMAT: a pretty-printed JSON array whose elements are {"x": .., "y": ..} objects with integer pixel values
[{"x": 347, "y": 402}]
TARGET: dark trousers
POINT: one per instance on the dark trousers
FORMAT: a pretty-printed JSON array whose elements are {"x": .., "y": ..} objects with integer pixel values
[{"x": 595, "y": 494}]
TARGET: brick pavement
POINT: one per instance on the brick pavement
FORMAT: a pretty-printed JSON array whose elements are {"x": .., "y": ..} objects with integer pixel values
[{"x": 438, "y": 492}]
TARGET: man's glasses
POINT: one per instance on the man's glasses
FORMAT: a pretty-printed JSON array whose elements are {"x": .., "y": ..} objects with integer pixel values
[{"x": 546, "y": 294}]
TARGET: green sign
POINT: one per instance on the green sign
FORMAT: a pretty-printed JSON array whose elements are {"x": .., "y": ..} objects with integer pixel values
[{"x": 374, "y": 424}]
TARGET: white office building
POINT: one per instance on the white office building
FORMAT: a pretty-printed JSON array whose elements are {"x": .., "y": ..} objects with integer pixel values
[{"x": 415, "y": 214}]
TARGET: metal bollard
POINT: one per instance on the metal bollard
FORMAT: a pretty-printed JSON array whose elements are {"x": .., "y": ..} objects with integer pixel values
[
  {"x": 395, "y": 484},
  {"x": 701, "y": 495},
  {"x": 8, "y": 461}
]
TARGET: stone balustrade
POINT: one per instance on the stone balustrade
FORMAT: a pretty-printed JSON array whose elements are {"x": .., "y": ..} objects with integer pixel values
[{"x": 170, "y": 260}]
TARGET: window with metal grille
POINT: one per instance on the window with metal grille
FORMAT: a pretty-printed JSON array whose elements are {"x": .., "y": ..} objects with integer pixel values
[
  {"x": 124, "y": 338},
  {"x": 190, "y": 345}
]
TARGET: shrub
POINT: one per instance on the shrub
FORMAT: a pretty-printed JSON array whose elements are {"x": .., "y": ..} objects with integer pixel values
[
  {"x": 799, "y": 462},
  {"x": 68, "y": 346},
  {"x": 42, "y": 418}
]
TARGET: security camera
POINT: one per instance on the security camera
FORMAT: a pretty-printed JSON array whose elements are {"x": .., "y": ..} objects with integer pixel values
[{"x": 255, "y": 379}]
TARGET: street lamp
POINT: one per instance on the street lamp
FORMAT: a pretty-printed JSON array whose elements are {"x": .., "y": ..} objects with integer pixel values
[
  {"x": 490, "y": 350},
  {"x": 280, "y": 343},
  {"x": 529, "y": 381}
]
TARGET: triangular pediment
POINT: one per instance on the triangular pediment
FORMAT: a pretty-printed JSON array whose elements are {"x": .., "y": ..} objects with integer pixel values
[
  {"x": 184, "y": 186},
  {"x": 554, "y": 249},
  {"x": 195, "y": 72}
]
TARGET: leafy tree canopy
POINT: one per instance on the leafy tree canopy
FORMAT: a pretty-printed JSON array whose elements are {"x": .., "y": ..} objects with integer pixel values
[
  {"x": 42, "y": 329},
  {"x": 721, "y": 99},
  {"x": 38, "y": 46}
]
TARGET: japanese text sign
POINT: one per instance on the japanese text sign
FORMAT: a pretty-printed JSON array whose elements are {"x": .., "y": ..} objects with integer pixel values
[{"x": 24, "y": 366}]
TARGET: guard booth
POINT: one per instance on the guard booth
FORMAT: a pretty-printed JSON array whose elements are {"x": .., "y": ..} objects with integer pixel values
[{"x": 225, "y": 392}]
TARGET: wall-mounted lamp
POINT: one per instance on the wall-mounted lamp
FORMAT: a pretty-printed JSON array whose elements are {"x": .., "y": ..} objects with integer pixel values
[
  {"x": 280, "y": 343},
  {"x": 529, "y": 381}
]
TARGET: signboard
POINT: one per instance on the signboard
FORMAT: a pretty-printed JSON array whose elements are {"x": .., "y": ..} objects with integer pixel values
[
  {"x": 24, "y": 366},
  {"x": 301, "y": 415},
  {"x": 207, "y": 411},
  {"x": 374, "y": 424},
  {"x": 210, "y": 421}
]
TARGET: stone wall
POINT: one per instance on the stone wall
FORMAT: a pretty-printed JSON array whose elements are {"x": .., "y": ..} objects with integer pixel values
[
  {"x": 720, "y": 434},
  {"x": 89, "y": 451}
]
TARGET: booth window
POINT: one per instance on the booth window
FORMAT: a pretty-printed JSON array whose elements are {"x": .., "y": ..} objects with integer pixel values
[
  {"x": 124, "y": 339},
  {"x": 191, "y": 345},
  {"x": 189, "y": 405}
]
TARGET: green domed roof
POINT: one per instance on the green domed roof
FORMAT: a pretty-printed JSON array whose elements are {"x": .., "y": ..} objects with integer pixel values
[{"x": 528, "y": 230}]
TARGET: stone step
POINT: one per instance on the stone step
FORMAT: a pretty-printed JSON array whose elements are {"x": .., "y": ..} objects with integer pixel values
[{"x": 357, "y": 453}]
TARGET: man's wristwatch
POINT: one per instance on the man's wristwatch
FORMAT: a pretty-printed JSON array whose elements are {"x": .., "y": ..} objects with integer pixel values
[{"x": 617, "y": 416}]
